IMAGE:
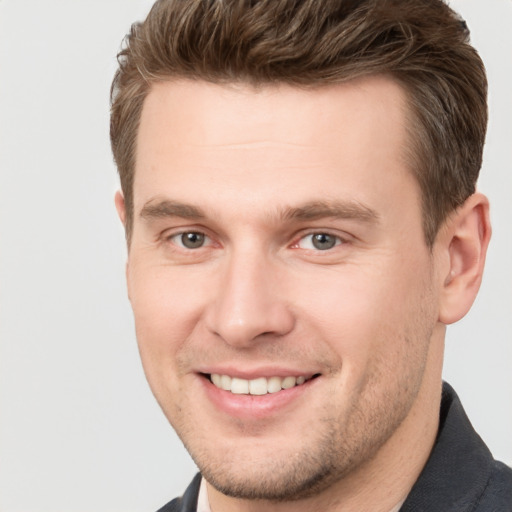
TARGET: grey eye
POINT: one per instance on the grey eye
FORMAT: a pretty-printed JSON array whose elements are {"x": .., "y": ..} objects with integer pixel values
[
  {"x": 192, "y": 240},
  {"x": 323, "y": 241},
  {"x": 319, "y": 241}
]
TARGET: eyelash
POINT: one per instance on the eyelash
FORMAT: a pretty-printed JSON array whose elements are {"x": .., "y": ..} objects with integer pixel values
[
  {"x": 179, "y": 235},
  {"x": 296, "y": 245},
  {"x": 337, "y": 241}
]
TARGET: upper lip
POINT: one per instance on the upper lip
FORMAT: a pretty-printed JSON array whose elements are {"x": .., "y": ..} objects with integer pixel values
[{"x": 254, "y": 373}]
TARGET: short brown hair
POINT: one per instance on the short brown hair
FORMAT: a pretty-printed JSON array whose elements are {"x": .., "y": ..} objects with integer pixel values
[{"x": 422, "y": 44}]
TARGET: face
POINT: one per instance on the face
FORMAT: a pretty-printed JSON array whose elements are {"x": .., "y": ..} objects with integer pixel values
[{"x": 284, "y": 297}]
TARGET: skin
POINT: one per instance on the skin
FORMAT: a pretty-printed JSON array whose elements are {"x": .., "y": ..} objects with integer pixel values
[{"x": 258, "y": 172}]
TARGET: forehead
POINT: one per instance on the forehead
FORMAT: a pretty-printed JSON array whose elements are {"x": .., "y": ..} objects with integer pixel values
[
  {"x": 281, "y": 142},
  {"x": 194, "y": 112}
]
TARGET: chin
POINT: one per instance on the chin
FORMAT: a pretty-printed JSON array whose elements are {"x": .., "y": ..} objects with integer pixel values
[
  {"x": 276, "y": 482},
  {"x": 291, "y": 472}
]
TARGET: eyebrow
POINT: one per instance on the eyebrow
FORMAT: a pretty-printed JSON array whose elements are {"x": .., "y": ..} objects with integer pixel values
[
  {"x": 314, "y": 210},
  {"x": 168, "y": 208},
  {"x": 331, "y": 209}
]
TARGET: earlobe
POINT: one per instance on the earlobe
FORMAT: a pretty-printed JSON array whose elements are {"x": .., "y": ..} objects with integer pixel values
[
  {"x": 120, "y": 206},
  {"x": 468, "y": 232}
]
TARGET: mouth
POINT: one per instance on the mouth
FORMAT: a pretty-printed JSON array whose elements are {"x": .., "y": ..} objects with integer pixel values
[{"x": 259, "y": 386}]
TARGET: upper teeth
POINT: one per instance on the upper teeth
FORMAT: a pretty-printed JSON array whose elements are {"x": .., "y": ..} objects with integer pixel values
[{"x": 260, "y": 386}]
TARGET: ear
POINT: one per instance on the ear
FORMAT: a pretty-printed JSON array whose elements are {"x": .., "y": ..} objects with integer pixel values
[
  {"x": 465, "y": 239},
  {"x": 121, "y": 211},
  {"x": 120, "y": 206}
]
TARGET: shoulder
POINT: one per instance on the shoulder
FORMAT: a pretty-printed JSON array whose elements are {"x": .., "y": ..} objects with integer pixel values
[
  {"x": 461, "y": 474},
  {"x": 497, "y": 495},
  {"x": 187, "y": 502}
]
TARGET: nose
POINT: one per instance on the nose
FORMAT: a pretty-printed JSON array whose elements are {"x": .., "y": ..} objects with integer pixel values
[{"x": 250, "y": 302}]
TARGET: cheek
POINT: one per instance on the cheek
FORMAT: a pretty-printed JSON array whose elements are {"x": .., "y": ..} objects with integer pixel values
[
  {"x": 367, "y": 312},
  {"x": 166, "y": 306},
  {"x": 166, "y": 311}
]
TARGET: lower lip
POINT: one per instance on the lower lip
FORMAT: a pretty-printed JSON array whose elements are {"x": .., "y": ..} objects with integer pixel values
[{"x": 254, "y": 406}]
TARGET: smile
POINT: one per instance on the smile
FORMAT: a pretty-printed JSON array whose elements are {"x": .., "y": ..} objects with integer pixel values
[{"x": 259, "y": 386}]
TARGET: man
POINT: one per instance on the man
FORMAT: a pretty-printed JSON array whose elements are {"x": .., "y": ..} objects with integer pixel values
[{"x": 298, "y": 193}]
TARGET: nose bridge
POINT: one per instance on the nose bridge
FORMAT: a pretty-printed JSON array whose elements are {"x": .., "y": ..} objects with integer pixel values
[{"x": 248, "y": 302}]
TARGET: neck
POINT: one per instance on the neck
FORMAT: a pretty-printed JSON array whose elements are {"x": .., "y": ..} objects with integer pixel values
[{"x": 382, "y": 483}]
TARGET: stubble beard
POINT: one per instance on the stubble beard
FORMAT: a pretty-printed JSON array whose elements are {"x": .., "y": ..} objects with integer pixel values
[{"x": 342, "y": 445}]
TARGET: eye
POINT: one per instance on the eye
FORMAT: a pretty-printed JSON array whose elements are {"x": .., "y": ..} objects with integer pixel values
[
  {"x": 190, "y": 239},
  {"x": 319, "y": 241}
]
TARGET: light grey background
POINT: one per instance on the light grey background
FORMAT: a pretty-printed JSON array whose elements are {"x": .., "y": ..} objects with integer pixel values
[{"x": 79, "y": 429}]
